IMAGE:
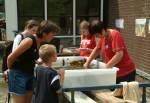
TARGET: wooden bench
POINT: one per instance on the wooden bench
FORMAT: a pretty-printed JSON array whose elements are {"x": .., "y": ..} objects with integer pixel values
[{"x": 79, "y": 97}]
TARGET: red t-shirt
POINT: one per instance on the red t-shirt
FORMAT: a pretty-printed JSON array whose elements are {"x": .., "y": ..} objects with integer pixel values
[
  {"x": 109, "y": 46},
  {"x": 87, "y": 42}
]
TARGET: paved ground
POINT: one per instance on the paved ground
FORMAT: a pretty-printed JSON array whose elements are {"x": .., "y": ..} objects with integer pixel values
[{"x": 3, "y": 91}]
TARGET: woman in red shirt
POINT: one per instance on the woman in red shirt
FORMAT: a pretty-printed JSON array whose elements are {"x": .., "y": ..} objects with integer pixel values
[
  {"x": 113, "y": 51},
  {"x": 88, "y": 42}
]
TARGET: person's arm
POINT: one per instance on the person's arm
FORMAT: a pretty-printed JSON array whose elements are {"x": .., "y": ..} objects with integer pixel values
[
  {"x": 118, "y": 46},
  {"x": 24, "y": 45},
  {"x": 85, "y": 50},
  {"x": 92, "y": 56},
  {"x": 17, "y": 41},
  {"x": 61, "y": 73},
  {"x": 115, "y": 59}
]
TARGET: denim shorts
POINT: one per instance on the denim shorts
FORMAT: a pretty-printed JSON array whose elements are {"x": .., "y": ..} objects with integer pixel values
[{"x": 19, "y": 83}]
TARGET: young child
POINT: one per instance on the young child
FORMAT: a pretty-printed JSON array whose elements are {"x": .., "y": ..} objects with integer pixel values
[
  {"x": 48, "y": 80},
  {"x": 88, "y": 42}
]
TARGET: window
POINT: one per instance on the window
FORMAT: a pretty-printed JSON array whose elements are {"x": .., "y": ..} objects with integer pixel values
[
  {"x": 60, "y": 11},
  {"x": 29, "y": 9},
  {"x": 86, "y": 10}
]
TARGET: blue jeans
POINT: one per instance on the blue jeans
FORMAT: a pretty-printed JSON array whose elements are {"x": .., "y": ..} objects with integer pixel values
[{"x": 19, "y": 83}]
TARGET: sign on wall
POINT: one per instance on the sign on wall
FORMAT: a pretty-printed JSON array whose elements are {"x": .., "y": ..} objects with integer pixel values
[
  {"x": 119, "y": 23},
  {"x": 140, "y": 25}
]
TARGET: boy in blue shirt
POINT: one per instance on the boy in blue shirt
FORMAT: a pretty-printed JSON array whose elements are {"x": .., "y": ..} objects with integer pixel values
[{"x": 48, "y": 80}]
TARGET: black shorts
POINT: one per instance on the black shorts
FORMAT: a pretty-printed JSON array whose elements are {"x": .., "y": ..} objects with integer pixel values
[{"x": 128, "y": 78}]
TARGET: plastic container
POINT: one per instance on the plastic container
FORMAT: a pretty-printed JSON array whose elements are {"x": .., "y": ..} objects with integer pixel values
[
  {"x": 97, "y": 76},
  {"x": 89, "y": 77}
]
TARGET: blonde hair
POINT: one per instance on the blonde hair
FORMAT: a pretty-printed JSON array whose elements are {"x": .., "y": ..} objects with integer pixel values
[
  {"x": 84, "y": 24},
  {"x": 46, "y": 51}
]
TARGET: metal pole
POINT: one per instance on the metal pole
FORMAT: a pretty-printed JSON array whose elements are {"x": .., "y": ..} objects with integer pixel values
[
  {"x": 101, "y": 9},
  {"x": 74, "y": 22},
  {"x": 45, "y": 9},
  {"x": 72, "y": 96},
  {"x": 144, "y": 95}
]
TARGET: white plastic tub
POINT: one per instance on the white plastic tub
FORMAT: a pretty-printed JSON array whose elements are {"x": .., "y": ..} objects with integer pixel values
[
  {"x": 89, "y": 77},
  {"x": 97, "y": 76}
]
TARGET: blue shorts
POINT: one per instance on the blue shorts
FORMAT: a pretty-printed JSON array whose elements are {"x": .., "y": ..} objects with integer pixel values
[{"x": 19, "y": 83}]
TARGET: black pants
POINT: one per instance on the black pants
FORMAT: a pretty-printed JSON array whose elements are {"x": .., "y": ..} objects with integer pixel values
[{"x": 128, "y": 78}]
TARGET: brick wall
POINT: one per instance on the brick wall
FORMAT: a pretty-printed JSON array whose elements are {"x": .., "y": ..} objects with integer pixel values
[{"x": 129, "y": 10}]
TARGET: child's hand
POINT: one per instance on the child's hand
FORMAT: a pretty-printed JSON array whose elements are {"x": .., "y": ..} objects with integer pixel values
[
  {"x": 5, "y": 75},
  {"x": 61, "y": 72},
  {"x": 85, "y": 49},
  {"x": 76, "y": 50}
]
